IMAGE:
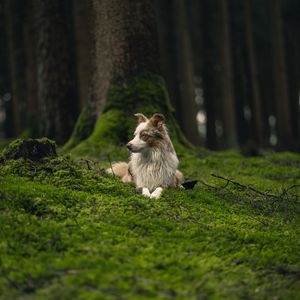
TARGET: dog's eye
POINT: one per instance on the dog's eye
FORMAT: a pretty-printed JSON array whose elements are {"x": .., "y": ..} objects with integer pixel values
[{"x": 144, "y": 135}]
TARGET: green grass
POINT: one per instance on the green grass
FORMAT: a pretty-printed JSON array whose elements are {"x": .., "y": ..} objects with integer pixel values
[{"x": 68, "y": 231}]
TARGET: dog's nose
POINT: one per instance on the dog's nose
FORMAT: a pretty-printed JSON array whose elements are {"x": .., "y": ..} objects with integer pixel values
[{"x": 129, "y": 146}]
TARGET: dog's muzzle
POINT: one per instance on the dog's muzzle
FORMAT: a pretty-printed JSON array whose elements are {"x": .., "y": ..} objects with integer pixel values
[{"x": 129, "y": 146}]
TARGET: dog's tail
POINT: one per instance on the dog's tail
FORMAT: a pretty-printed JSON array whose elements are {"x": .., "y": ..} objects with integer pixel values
[{"x": 120, "y": 169}]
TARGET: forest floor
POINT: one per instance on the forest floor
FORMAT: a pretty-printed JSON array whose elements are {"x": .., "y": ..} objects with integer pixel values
[{"x": 69, "y": 231}]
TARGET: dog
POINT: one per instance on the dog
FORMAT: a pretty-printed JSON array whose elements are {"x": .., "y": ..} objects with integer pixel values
[{"x": 153, "y": 162}]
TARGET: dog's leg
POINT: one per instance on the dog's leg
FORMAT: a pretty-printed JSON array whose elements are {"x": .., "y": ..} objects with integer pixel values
[
  {"x": 178, "y": 178},
  {"x": 127, "y": 178},
  {"x": 146, "y": 192},
  {"x": 156, "y": 194}
]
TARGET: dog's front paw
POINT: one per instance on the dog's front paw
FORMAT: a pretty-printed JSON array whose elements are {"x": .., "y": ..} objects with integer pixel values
[
  {"x": 156, "y": 194},
  {"x": 146, "y": 192}
]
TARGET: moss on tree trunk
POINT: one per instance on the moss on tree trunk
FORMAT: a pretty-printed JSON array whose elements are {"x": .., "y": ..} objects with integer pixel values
[{"x": 147, "y": 94}]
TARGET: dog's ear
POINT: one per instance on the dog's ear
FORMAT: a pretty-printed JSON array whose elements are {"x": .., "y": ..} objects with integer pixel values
[
  {"x": 158, "y": 120},
  {"x": 141, "y": 118}
]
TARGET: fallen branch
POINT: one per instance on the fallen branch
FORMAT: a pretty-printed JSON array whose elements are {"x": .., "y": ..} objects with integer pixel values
[{"x": 246, "y": 187}]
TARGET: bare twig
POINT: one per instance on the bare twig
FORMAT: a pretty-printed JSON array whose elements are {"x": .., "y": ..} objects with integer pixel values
[
  {"x": 112, "y": 170},
  {"x": 88, "y": 164},
  {"x": 290, "y": 188},
  {"x": 247, "y": 187}
]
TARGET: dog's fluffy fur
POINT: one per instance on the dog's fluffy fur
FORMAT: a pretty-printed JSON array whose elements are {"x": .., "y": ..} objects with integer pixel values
[{"x": 153, "y": 162}]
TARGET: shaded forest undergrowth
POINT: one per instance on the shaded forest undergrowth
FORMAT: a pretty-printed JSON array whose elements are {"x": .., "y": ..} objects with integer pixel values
[{"x": 69, "y": 230}]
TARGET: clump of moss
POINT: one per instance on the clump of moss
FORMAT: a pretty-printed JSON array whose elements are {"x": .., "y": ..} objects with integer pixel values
[
  {"x": 33, "y": 149},
  {"x": 72, "y": 173}
]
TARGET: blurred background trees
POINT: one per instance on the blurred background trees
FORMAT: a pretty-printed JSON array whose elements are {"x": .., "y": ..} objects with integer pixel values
[{"x": 232, "y": 68}]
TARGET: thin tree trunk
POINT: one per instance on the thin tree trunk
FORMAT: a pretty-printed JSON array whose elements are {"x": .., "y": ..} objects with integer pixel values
[
  {"x": 292, "y": 39},
  {"x": 168, "y": 53},
  {"x": 284, "y": 124},
  {"x": 57, "y": 102},
  {"x": 15, "y": 38},
  {"x": 211, "y": 70},
  {"x": 256, "y": 99},
  {"x": 30, "y": 68},
  {"x": 5, "y": 80},
  {"x": 240, "y": 70},
  {"x": 228, "y": 107},
  {"x": 83, "y": 43},
  {"x": 188, "y": 106}
]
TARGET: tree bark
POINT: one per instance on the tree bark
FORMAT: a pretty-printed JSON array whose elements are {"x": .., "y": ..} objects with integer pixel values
[
  {"x": 57, "y": 102},
  {"x": 125, "y": 43}
]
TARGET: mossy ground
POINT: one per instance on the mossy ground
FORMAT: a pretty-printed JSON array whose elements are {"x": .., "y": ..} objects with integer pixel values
[{"x": 68, "y": 231}]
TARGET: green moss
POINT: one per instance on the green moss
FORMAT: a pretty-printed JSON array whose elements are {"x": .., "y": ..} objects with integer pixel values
[
  {"x": 145, "y": 93},
  {"x": 4, "y": 143},
  {"x": 106, "y": 138},
  {"x": 69, "y": 231},
  {"x": 83, "y": 128},
  {"x": 33, "y": 149}
]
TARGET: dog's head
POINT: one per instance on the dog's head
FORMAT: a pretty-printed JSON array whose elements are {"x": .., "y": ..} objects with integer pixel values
[{"x": 148, "y": 134}]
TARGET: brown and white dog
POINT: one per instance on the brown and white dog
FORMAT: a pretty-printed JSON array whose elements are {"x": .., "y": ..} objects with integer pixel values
[{"x": 153, "y": 162}]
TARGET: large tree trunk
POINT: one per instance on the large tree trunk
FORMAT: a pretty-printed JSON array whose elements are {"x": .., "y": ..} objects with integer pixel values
[
  {"x": 57, "y": 101},
  {"x": 116, "y": 45},
  {"x": 127, "y": 72},
  {"x": 283, "y": 115}
]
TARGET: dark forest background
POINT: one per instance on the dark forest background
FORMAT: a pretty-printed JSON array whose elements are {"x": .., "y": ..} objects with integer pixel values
[{"x": 232, "y": 68}]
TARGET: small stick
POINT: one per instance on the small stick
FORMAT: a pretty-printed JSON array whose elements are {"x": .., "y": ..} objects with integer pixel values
[
  {"x": 112, "y": 170},
  {"x": 88, "y": 164}
]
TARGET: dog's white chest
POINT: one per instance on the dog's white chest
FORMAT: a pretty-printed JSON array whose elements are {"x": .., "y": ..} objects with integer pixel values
[{"x": 153, "y": 170}]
